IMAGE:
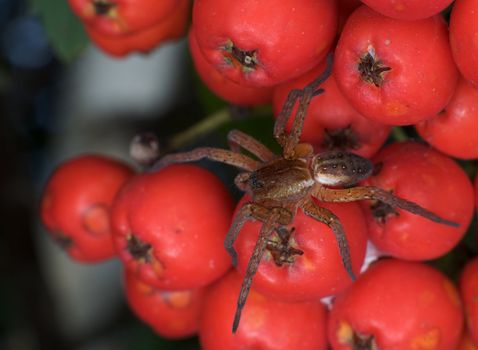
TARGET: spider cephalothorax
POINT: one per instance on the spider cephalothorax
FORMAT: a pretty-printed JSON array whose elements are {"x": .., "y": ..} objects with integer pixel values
[{"x": 281, "y": 184}]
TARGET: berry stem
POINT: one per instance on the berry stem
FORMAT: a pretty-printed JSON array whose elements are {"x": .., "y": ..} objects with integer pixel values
[{"x": 206, "y": 125}]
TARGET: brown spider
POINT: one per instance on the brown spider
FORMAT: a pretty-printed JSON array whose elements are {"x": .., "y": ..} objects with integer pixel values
[{"x": 280, "y": 184}]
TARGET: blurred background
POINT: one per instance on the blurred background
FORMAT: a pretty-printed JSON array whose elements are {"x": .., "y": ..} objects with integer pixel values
[{"x": 61, "y": 97}]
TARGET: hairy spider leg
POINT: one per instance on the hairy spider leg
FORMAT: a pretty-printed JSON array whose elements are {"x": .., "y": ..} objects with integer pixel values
[
  {"x": 221, "y": 155},
  {"x": 325, "y": 216},
  {"x": 237, "y": 140},
  {"x": 243, "y": 215},
  {"x": 281, "y": 122},
  {"x": 374, "y": 193},
  {"x": 296, "y": 131},
  {"x": 253, "y": 265},
  {"x": 289, "y": 142},
  {"x": 256, "y": 212}
]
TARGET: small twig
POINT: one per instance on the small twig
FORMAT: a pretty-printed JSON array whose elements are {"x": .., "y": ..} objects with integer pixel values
[{"x": 208, "y": 124}]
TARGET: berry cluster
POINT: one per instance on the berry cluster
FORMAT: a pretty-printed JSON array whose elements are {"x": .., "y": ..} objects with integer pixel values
[
  {"x": 395, "y": 63},
  {"x": 120, "y": 27}
]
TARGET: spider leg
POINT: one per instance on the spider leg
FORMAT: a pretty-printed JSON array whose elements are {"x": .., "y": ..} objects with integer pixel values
[
  {"x": 238, "y": 139},
  {"x": 221, "y": 155},
  {"x": 325, "y": 216},
  {"x": 253, "y": 265},
  {"x": 289, "y": 142},
  {"x": 279, "y": 127},
  {"x": 257, "y": 212},
  {"x": 241, "y": 181},
  {"x": 375, "y": 193},
  {"x": 244, "y": 214},
  {"x": 294, "y": 136}
]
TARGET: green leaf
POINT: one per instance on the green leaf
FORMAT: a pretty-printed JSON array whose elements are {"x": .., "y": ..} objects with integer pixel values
[{"x": 64, "y": 30}]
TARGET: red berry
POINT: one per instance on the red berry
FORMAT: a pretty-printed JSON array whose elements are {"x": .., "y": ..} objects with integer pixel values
[
  {"x": 172, "y": 314},
  {"x": 120, "y": 17},
  {"x": 395, "y": 72},
  {"x": 263, "y": 43},
  {"x": 453, "y": 131},
  {"x": 422, "y": 175},
  {"x": 331, "y": 122},
  {"x": 229, "y": 90},
  {"x": 170, "y": 28},
  {"x": 397, "y": 305},
  {"x": 76, "y": 204},
  {"x": 266, "y": 324},
  {"x": 463, "y": 29},
  {"x": 319, "y": 271},
  {"x": 408, "y": 9},
  {"x": 169, "y": 227},
  {"x": 469, "y": 293}
]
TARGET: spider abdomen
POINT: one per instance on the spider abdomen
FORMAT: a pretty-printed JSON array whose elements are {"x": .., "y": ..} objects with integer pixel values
[{"x": 285, "y": 180}]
